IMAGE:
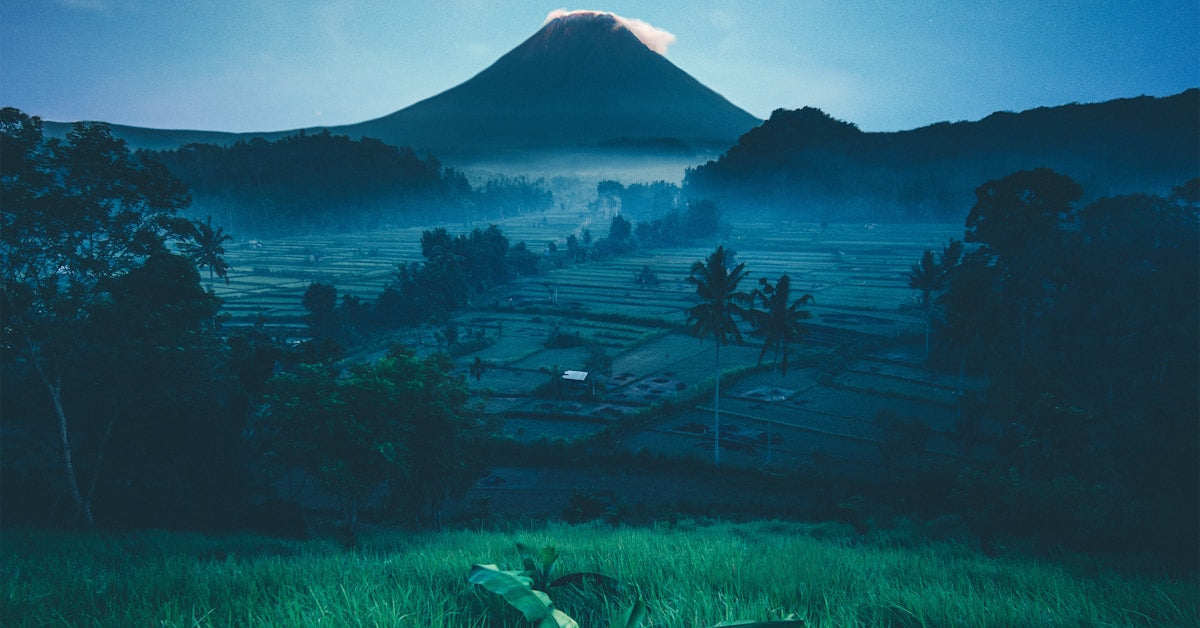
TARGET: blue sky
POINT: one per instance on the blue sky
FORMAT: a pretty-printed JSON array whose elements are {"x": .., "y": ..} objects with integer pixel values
[{"x": 260, "y": 65}]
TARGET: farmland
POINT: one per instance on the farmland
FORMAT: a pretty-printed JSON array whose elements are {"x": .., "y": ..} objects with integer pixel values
[{"x": 858, "y": 399}]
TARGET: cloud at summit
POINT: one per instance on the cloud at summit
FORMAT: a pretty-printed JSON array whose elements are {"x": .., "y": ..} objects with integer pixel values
[{"x": 653, "y": 37}]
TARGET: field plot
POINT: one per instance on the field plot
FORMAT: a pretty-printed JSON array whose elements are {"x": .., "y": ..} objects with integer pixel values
[
  {"x": 846, "y": 421},
  {"x": 884, "y": 411},
  {"x": 268, "y": 277}
]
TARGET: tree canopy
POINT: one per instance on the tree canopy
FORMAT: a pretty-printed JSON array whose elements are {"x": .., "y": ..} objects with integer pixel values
[
  {"x": 1085, "y": 318},
  {"x": 98, "y": 318},
  {"x": 401, "y": 424}
]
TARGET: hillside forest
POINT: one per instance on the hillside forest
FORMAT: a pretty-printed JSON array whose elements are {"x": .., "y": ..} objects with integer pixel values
[
  {"x": 806, "y": 163},
  {"x": 322, "y": 182},
  {"x": 127, "y": 403}
]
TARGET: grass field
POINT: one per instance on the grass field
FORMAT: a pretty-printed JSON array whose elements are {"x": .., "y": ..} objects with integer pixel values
[{"x": 689, "y": 573}]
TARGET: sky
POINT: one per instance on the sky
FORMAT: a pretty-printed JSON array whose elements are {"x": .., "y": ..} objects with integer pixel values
[{"x": 267, "y": 65}]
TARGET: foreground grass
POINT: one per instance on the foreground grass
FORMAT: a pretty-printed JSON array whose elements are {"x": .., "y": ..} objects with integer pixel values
[{"x": 689, "y": 574}]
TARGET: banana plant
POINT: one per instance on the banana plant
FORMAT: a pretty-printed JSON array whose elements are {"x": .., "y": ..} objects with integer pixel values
[
  {"x": 526, "y": 591},
  {"x": 516, "y": 589}
]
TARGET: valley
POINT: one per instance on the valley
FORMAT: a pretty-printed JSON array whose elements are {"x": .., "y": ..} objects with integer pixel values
[{"x": 854, "y": 385}]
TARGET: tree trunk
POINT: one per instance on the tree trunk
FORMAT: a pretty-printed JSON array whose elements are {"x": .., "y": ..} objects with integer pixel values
[
  {"x": 99, "y": 461},
  {"x": 83, "y": 506},
  {"x": 717, "y": 412},
  {"x": 771, "y": 407},
  {"x": 928, "y": 315}
]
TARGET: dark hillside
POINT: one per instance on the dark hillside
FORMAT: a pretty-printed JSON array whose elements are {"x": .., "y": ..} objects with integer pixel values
[
  {"x": 805, "y": 162},
  {"x": 303, "y": 183}
]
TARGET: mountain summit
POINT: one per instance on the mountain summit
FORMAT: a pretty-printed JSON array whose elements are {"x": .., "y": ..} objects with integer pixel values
[{"x": 585, "y": 80}]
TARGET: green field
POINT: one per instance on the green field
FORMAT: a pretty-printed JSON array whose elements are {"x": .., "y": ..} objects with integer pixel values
[{"x": 690, "y": 574}]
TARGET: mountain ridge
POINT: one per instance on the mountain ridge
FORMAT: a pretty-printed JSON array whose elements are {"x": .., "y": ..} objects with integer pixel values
[{"x": 805, "y": 161}]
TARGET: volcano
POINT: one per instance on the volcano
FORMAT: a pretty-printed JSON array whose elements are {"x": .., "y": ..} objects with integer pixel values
[{"x": 583, "y": 81}]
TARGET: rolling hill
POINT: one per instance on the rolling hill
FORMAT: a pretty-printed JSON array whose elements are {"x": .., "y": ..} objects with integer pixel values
[{"x": 806, "y": 163}]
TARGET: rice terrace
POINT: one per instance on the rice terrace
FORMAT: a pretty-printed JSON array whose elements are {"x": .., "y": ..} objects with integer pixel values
[{"x": 855, "y": 273}]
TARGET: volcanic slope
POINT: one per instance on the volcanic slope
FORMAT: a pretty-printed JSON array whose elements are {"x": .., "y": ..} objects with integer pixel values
[{"x": 582, "y": 81}]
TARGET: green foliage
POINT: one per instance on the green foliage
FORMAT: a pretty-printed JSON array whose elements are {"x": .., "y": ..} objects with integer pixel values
[
  {"x": 403, "y": 421},
  {"x": 154, "y": 376},
  {"x": 646, "y": 276},
  {"x": 455, "y": 269},
  {"x": 560, "y": 338},
  {"x": 779, "y": 322},
  {"x": 620, "y": 234},
  {"x": 595, "y": 360},
  {"x": 527, "y": 590},
  {"x": 515, "y": 588},
  {"x": 320, "y": 299},
  {"x": 1075, "y": 313},
  {"x": 206, "y": 247},
  {"x": 716, "y": 280}
]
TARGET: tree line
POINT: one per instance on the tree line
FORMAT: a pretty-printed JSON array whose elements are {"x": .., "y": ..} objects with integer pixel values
[
  {"x": 308, "y": 183},
  {"x": 1083, "y": 320}
]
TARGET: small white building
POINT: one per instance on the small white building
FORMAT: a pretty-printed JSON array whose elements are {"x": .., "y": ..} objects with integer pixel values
[{"x": 577, "y": 381}]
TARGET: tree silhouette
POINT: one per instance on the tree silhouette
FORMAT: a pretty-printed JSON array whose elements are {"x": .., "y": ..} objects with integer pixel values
[
  {"x": 781, "y": 325},
  {"x": 717, "y": 287},
  {"x": 76, "y": 214},
  {"x": 927, "y": 276},
  {"x": 206, "y": 247},
  {"x": 1023, "y": 222}
]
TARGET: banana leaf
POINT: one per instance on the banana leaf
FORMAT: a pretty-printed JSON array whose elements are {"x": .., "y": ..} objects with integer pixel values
[
  {"x": 632, "y": 617},
  {"x": 514, "y": 587}
]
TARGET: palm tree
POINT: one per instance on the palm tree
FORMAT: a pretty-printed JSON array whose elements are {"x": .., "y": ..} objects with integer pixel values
[
  {"x": 780, "y": 323},
  {"x": 206, "y": 248},
  {"x": 717, "y": 286},
  {"x": 926, "y": 276}
]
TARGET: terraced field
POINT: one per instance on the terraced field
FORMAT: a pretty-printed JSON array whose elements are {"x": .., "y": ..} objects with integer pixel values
[{"x": 857, "y": 419}]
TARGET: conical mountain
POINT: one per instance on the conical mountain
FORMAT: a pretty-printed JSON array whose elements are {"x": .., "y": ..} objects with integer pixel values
[{"x": 584, "y": 80}]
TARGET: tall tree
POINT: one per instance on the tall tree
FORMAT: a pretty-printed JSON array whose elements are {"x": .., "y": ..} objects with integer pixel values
[
  {"x": 716, "y": 281},
  {"x": 320, "y": 299},
  {"x": 927, "y": 276},
  {"x": 206, "y": 247},
  {"x": 154, "y": 380},
  {"x": 75, "y": 215},
  {"x": 781, "y": 324},
  {"x": 1022, "y": 220}
]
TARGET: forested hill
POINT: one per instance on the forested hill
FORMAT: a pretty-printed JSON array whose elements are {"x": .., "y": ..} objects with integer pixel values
[
  {"x": 314, "y": 182},
  {"x": 806, "y": 163}
]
